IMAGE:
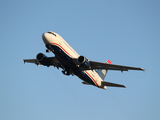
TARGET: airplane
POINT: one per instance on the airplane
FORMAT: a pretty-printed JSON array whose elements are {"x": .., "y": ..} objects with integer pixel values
[{"x": 91, "y": 72}]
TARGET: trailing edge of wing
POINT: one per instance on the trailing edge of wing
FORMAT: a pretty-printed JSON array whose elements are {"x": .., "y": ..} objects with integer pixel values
[{"x": 112, "y": 84}]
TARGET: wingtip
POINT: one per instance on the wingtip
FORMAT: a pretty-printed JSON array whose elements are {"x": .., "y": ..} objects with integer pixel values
[
  {"x": 123, "y": 86},
  {"x": 142, "y": 69}
]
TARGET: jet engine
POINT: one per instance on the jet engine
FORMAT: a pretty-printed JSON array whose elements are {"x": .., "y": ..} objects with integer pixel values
[
  {"x": 42, "y": 59},
  {"x": 83, "y": 61}
]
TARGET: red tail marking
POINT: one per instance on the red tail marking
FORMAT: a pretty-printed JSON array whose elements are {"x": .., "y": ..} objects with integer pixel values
[{"x": 109, "y": 62}]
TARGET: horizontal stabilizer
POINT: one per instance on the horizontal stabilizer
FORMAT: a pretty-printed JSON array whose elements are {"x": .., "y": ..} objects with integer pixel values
[
  {"x": 86, "y": 83},
  {"x": 112, "y": 84}
]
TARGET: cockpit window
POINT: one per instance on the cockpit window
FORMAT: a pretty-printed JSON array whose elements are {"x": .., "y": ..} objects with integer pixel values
[{"x": 52, "y": 33}]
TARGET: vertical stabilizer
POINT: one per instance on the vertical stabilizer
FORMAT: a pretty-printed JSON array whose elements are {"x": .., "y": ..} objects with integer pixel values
[{"x": 102, "y": 72}]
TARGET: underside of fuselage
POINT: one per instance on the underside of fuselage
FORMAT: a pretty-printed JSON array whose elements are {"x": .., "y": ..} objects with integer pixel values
[{"x": 68, "y": 64}]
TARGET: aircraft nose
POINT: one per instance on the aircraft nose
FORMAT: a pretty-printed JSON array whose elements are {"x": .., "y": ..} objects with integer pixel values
[{"x": 45, "y": 37}]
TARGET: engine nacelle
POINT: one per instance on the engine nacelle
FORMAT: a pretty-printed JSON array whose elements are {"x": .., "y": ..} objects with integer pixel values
[
  {"x": 83, "y": 61},
  {"x": 43, "y": 59}
]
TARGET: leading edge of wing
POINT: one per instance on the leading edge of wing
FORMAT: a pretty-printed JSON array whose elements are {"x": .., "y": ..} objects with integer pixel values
[{"x": 112, "y": 84}]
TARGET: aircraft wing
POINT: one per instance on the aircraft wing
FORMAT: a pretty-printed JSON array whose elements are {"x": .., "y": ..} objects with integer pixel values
[
  {"x": 53, "y": 61},
  {"x": 100, "y": 65}
]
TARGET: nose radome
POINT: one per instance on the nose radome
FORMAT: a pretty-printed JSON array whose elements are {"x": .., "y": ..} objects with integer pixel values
[{"x": 45, "y": 37}]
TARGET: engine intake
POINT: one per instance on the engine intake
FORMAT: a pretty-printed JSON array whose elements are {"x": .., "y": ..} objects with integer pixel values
[
  {"x": 43, "y": 59},
  {"x": 83, "y": 61}
]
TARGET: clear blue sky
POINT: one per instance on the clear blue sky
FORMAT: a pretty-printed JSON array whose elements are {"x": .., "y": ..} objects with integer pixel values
[{"x": 126, "y": 32}]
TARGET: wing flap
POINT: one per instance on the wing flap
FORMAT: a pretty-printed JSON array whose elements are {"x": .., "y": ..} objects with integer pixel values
[{"x": 112, "y": 84}]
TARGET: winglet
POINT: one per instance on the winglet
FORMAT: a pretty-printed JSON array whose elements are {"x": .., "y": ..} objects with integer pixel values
[{"x": 109, "y": 62}]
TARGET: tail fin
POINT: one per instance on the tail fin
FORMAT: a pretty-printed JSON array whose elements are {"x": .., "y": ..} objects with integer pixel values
[{"x": 102, "y": 72}]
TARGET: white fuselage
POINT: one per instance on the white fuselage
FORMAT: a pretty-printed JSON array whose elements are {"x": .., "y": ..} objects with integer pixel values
[{"x": 61, "y": 46}]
